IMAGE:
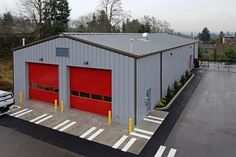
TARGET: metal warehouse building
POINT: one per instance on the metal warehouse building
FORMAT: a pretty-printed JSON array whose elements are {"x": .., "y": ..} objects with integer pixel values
[{"x": 92, "y": 72}]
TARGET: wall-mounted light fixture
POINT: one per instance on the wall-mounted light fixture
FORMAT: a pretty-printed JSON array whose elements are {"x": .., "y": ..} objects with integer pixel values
[
  {"x": 85, "y": 62},
  {"x": 41, "y": 59}
]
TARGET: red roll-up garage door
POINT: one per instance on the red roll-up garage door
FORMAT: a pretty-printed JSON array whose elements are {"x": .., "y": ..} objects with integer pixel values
[
  {"x": 43, "y": 82},
  {"x": 91, "y": 90}
]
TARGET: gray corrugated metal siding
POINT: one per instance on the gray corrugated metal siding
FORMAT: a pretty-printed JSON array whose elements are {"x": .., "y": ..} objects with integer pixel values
[{"x": 122, "y": 71}]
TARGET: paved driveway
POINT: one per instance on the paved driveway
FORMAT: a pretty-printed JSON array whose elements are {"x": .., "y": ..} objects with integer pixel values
[
  {"x": 207, "y": 126},
  {"x": 16, "y": 144}
]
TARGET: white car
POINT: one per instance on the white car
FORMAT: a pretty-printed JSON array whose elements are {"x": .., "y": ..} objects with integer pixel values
[{"x": 6, "y": 101}]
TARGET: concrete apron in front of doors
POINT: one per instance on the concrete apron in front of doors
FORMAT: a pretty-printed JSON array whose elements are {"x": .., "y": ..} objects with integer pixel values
[{"x": 91, "y": 126}]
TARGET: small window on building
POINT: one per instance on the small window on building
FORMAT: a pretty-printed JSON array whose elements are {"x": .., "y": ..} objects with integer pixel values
[
  {"x": 107, "y": 98},
  {"x": 97, "y": 97},
  {"x": 75, "y": 93},
  {"x": 56, "y": 90},
  {"x": 50, "y": 89},
  {"x": 85, "y": 95},
  {"x": 40, "y": 87},
  {"x": 32, "y": 85}
]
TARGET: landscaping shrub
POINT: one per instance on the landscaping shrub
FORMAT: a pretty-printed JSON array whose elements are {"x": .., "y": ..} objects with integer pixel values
[
  {"x": 172, "y": 90},
  {"x": 176, "y": 86},
  {"x": 169, "y": 93},
  {"x": 183, "y": 79},
  {"x": 187, "y": 74},
  {"x": 162, "y": 103}
]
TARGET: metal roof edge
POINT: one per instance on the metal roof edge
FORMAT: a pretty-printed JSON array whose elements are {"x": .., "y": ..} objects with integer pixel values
[
  {"x": 78, "y": 40},
  {"x": 62, "y": 35},
  {"x": 153, "y": 53},
  {"x": 101, "y": 46},
  {"x": 37, "y": 42}
]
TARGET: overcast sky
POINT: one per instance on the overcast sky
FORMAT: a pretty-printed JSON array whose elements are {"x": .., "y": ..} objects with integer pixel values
[{"x": 184, "y": 15}]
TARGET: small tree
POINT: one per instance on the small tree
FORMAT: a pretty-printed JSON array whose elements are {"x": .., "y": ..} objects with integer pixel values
[
  {"x": 230, "y": 53},
  {"x": 169, "y": 93},
  {"x": 187, "y": 74},
  {"x": 176, "y": 86},
  {"x": 183, "y": 79},
  {"x": 205, "y": 35}
]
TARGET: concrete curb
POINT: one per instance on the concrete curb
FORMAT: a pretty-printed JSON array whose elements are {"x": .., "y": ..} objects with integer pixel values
[{"x": 173, "y": 99}]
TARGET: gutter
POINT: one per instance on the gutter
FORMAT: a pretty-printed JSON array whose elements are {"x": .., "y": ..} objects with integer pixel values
[{"x": 135, "y": 91}]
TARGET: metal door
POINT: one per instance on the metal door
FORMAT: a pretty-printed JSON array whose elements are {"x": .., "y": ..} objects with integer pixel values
[
  {"x": 91, "y": 90},
  {"x": 43, "y": 82},
  {"x": 148, "y": 100}
]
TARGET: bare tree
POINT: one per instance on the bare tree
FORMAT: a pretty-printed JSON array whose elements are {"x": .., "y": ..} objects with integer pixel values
[
  {"x": 156, "y": 25},
  {"x": 114, "y": 11},
  {"x": 34, "y": 10}
]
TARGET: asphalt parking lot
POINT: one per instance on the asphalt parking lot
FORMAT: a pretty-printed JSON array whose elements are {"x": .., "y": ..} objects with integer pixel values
[
  {"x": 90, "y": 126},
  {"x": 152, "y": 143},
  {"x": 17, "y": 144},
  {"x": 207, "y": 126}
]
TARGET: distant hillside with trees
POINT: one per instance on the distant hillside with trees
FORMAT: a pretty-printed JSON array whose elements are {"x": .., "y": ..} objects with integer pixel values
[{"x": 213, "y": 48}]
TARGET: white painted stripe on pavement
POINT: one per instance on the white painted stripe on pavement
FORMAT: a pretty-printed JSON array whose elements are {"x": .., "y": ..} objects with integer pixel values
[
  {"x": 129, "y": 144},
  {"x": 140, "y": 135},
  {"x": 160, "y": 151},
  {"x": 95, "y": 134},
  {"x": 24, "y": 113},
  {"x": 67, "y": 126},
  {"x": 120, "y": 141},
  {"x": 143, "y": 131},
  {"x": 14, "y": 107},
  {"x": 13, "y": 114},
  {"x": 172, "y": 152},
  {"x": 88, "y": 132},
  {"x": 61, "y": 124},
  {"x": 156, "y": 118},
  {"x": 37, "y": 118},
  {"x": 44, "y": 119},
  {"x": 153, "y": 121}
]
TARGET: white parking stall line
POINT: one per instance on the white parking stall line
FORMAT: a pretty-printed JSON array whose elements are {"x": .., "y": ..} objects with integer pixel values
[
  {"x": 172, "y": 152},
  {"x": 13, "y": 114},
  {"x": 120, "y": 141},
  {"x": 153, "y": 121},
  {"x": 140, "y": 135},
  {"x": 14, "y": 107},
  {"x": 160, "y": 151},
  {"x": 61, "y": 124},
  {"x": 39, "y": 117},
  {"x": 156, "y": 118},
  {"x": 44, "y": 119},
  {"x": 143, "y": 131},
  {"x": 95, "y": 134},
  {"x": 129, "y": 144},
  {"x": 88, "y": 132},
  {"x": 24, "y": 113},
  {"x": 67, "y": 126}
]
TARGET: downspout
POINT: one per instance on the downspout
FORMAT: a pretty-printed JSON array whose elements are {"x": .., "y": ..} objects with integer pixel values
[
  {"x": 135, "y": 90},
  {"x": 161, "y": 75}
]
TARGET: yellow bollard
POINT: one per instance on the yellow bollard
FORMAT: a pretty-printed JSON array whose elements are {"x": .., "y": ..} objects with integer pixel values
[
  {"x": 21, "y": 98},
  {"x": 109, "y": 118},
  {"x": 55, "y": 105},
  {"x": 130, "y": 125},
  {"x": 62, "y": 106}
]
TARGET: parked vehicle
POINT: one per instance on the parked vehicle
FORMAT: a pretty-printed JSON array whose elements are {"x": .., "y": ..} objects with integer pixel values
[{"x": 6, "y": 101}]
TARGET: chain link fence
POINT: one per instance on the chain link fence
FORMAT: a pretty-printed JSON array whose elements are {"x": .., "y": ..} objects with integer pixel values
[{"x": 219, "y": 65}]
